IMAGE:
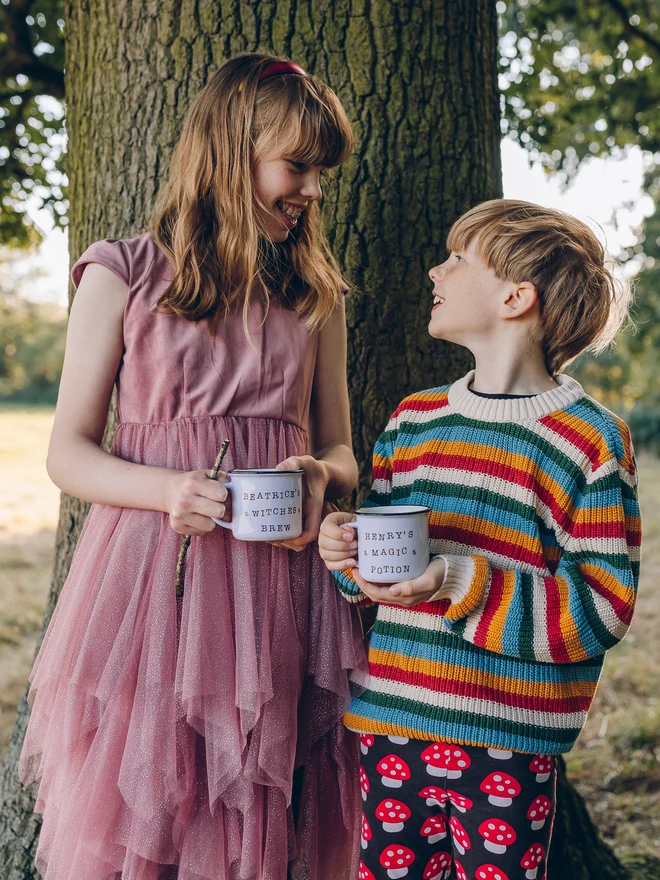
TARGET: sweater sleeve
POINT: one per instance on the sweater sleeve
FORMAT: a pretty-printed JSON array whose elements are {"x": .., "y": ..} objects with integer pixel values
[
  {"x": 581, "y": 609},
  {"x": 380, "y": 495}
]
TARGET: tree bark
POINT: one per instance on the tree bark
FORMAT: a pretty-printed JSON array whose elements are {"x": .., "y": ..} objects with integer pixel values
[{"x": 419, "y": 81}]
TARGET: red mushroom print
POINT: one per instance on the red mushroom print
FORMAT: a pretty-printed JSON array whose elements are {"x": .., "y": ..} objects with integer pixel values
[
  {"x": 393, "y": 771},
  {"x": 396, "y": 860},
  {"x": 438, "y": 867},
  {"x": 364, "y": 783},
  {"x": 366, "y": 832},
  {"x": 456, "y": 760},
  {"x": 364, "y": 873},
  {"x": 445, "y": 759},
  {"x": 434, "y": 757},
  {"x": 531, "y": 860},
  {"x": 542, "y": 765},
  {"x": 501, "y": 789},
  {"x": 539, "y": 810},
  {"x": 460, "y": 871},
  {"x": 497, "y": 835},
  {"x": 435, "y": 828},
  {"x": 392, "y": 814},
  {"x": 457, "y": 800},
  {"x": 490, "y": 872},
  {"x": 434, "y": 795},
  {"x": 459, "y": 835},
  {"x": 366, "y": 742},
  {"x": 399, "y": 740},
  {"x": 500, "y": 754}
]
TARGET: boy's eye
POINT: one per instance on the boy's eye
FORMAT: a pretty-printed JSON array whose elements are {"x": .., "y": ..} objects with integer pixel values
[{"x": 299, "y": 166}]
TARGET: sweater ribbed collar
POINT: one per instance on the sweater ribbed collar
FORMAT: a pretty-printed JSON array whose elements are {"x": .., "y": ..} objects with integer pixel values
[{"x": 519, "y": 409}]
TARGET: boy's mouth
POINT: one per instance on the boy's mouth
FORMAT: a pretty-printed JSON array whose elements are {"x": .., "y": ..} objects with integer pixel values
[
  {"x": 289, "y": 212},
  {"x": 437, "y": 301}
]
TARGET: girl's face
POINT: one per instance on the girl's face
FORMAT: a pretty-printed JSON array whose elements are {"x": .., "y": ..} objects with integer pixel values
[{"x": 284, "y": 187}]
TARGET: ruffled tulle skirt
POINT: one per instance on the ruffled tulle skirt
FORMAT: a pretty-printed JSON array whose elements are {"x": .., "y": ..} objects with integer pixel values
[{"x": 198, "y": 738}]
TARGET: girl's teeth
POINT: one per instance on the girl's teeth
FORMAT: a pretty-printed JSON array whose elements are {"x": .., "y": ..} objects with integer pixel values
[{"x": 292, "y": 213}]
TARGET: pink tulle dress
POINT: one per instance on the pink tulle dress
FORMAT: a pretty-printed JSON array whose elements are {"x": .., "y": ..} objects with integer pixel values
[{"x": 199, "y": 738}]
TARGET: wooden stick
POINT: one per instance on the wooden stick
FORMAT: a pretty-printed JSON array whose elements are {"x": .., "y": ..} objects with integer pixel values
[{"x": 181, "y": 561}]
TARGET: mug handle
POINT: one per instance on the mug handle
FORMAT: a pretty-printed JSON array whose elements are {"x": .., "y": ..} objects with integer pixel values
[{"x": 222, "y": 522}]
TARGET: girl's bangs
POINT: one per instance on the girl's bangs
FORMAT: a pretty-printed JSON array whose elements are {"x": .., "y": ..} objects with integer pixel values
[{"x": 322, "y": 134}]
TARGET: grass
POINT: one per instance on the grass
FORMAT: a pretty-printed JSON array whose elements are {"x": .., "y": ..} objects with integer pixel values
[
  {"x": 28, "y": 516},
  {"x": 615, "y": 765}
]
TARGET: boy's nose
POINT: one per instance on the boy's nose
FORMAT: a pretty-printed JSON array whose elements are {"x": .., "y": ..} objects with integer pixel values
[{"x": 436, "y": 274}]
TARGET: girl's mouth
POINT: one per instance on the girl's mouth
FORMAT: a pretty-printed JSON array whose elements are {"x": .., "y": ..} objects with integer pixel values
[{"x": 289, "y": 213}]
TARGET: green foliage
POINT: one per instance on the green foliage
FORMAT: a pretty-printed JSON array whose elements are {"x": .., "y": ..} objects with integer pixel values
[
  {"x": 32, "y": 126},
  {"x": 32, "y": 339},
  {"x": 580, "y": 78},
  {"x": 626, "y": 377}
]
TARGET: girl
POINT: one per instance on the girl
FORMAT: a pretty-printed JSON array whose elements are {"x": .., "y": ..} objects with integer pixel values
[{"x": 199, "y": 738}]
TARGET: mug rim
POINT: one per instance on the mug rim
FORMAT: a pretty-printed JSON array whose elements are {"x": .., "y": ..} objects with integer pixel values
[
  {"x": 271, "y": 472},
  {"x": 393, "y": 510}
]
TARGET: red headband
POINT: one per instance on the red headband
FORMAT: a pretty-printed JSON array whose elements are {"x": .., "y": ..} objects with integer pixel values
[{"x": 277, "y": 67}]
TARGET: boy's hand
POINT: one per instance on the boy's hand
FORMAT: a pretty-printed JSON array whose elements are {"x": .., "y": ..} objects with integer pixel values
[
  {"x": 406, "y": 593},
  {"x": 337, "y": 546}
]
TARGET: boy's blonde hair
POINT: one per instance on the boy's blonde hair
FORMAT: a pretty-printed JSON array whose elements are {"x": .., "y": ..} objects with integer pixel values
[
  {"x": 582, "y": 304},
  {"x": 206, "y": 219}
]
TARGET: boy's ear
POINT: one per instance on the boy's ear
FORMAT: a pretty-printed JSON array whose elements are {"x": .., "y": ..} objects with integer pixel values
[{"x": 519, "y": 300}]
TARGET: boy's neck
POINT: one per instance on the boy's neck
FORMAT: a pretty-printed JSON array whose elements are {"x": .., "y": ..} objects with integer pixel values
[{"x": 507, "y": 370}]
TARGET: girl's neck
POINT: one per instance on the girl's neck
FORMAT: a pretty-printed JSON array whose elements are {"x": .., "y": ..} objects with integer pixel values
[{"x": 507, "y": 370}]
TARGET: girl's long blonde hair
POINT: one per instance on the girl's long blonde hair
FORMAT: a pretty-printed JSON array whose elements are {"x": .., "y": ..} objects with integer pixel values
[{"x": 206, "y": 219}]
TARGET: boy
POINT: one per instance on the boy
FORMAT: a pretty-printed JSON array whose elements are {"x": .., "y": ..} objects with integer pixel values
[{"x": 484, "y": 667}]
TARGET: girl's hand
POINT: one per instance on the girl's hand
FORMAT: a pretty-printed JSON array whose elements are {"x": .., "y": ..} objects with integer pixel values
[
  {"x": 315, "y": 481},
  {"x": 338, "y": 546},
  {"x": 406, "y": 593},
  {"x": 193, "y": 498}
]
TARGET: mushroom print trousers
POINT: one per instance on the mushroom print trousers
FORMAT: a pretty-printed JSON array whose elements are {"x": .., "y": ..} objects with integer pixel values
[{"x": 432, "y": 810}]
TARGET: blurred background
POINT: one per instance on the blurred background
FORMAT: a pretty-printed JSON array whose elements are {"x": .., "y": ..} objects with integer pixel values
[{"x": 580, "y": 86}]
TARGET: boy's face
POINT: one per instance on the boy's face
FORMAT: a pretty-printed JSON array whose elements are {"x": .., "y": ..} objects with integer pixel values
[{"x": 467, "y": 298}]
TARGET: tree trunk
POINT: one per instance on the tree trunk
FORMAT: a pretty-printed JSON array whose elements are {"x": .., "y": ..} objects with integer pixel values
[{"x": 419, "y": 81}]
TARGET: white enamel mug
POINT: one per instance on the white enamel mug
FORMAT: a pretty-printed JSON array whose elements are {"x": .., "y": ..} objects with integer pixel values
[
  {"x": 393, "y": 542},
  {"x": 266, "y": 504}
]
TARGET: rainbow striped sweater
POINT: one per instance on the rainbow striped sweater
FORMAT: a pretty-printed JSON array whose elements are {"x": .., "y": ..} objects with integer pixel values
[{"x": 534, "y": 509}]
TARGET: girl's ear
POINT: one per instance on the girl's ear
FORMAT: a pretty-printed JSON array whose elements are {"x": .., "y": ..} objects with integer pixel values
[{"x": 520, "y": 300}]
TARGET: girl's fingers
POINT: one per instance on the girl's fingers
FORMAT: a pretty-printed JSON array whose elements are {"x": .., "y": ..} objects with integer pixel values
[
  {"x": 192, "y": 524},
  {"x": 213, "y": 490}
]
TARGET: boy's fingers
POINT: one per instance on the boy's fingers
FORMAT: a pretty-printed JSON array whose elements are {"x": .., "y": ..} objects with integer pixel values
[{"x": 335, "y": 546}]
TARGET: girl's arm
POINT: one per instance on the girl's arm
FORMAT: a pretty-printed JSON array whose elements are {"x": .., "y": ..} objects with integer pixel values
[
  {"x": 330, "y": 469},
  {"x": 76, "y": 463}
]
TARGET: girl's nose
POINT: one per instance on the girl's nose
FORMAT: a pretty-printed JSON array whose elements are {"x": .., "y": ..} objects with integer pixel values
[{"x": 311, "y": 187}]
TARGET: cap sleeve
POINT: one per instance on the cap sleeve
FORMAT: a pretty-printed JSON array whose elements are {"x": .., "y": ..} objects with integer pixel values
[{"x": 112, "y": 254}]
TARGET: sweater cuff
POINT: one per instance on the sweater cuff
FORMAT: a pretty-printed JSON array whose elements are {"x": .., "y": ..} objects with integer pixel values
[{"x": 464, "y": 583}]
